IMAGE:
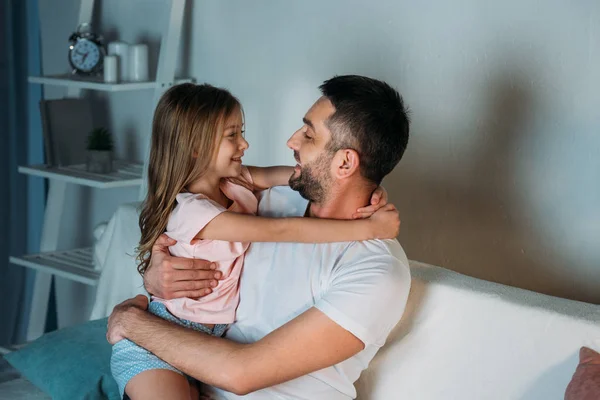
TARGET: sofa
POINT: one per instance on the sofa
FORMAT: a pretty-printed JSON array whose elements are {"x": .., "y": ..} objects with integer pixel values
[{"x": 460, "y": 337}]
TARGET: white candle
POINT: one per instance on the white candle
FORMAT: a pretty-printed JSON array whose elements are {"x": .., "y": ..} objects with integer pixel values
[
  {"x": 121, "y": 50},
  {"x": 110, "y": 69},
  {"x": 138, "y": 62}
]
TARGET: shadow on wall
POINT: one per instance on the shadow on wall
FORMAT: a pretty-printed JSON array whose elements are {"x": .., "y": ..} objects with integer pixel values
[{"x": 474, "y": 224}]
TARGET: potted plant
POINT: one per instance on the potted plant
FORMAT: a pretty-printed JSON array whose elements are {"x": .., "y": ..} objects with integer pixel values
[{"x": 99, "y": 151}]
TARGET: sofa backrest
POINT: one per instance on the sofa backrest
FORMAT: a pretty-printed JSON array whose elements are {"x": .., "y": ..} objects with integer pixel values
[{"x": 464, "y": 338}]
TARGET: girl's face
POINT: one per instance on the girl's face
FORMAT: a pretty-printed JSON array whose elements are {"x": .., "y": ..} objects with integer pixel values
[{"x": 228, "y": 161}]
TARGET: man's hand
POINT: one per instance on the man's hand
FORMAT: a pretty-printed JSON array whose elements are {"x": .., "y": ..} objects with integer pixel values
[
  {"x": 120, "y": 316},
  {"x": 171, "y": 277},
  {"x": 379, "y": 198},
  {"x": 386, "y": 222}
]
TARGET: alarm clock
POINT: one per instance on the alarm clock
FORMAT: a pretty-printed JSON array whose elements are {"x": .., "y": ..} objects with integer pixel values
[{"x": 86, "y": 51}]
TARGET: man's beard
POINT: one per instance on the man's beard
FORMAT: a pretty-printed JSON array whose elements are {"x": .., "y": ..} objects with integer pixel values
[{"x": 312, "y": 183}]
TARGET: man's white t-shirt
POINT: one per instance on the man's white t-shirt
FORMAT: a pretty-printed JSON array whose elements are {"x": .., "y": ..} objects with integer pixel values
[{"x": 362, "y": 286}]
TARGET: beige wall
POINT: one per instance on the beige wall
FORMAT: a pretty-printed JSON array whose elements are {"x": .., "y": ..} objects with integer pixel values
[{"x": 501, "y": 179}]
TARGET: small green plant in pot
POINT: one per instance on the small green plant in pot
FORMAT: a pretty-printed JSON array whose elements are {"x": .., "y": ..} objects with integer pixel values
[{"x": 99, "y": 151}]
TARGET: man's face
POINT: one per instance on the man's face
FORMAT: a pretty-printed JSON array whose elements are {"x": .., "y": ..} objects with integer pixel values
[{"x": 311, "y": 177}]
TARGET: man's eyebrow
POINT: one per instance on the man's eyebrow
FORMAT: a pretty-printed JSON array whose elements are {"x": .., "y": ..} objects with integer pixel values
[{"x": 309, "y": 123}]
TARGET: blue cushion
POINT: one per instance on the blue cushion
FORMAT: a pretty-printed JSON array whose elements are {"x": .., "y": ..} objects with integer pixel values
[{"x": 72, "y": 363}]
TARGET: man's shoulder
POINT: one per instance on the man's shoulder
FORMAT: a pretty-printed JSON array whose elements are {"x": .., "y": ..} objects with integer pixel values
[
  {"x": 388, "y": 249},
  {"x": 281, "y": 201},
  {"x": 394, "y": 250},
  {"x": 368, "y": 289},
  {"x": 379, "y": 256}
]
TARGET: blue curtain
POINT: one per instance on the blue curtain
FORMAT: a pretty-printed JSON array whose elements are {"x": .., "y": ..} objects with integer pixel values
[{"x": 23, "y": 198}]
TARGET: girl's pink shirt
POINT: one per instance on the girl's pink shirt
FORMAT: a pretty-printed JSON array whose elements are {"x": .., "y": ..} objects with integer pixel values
[{"x": 191, "y": 214}]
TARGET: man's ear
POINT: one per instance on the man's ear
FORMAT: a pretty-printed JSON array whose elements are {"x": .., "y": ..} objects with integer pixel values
[{"x": 346, "y": 163}]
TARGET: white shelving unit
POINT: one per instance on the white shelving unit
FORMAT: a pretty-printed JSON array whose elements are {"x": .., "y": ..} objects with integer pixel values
[
  {"x": 67, "y": 80},
  {"x": 125, "y": 174},
  {"x": 76, "y": 265}
]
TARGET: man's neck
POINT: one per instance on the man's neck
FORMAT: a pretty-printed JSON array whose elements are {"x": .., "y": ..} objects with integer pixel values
[{"x": 342, "y": 202}]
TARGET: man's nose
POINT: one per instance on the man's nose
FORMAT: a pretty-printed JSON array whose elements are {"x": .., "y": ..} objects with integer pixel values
[{"x": 292, "y": 142}]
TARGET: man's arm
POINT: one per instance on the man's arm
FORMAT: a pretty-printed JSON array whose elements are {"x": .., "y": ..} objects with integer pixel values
[{"x": 307, "y": 343}]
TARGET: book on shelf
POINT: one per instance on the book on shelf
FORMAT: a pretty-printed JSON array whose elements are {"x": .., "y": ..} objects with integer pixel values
[{"x": 66, "y": 124}]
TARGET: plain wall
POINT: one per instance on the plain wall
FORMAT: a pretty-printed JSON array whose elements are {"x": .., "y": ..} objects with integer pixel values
[{"x": 501, "y": 179}]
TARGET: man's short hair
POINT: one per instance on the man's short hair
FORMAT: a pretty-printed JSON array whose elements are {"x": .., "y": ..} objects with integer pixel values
[{"x": 369, "y": 118}]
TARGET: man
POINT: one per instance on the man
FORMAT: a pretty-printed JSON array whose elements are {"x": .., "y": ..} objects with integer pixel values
[{"x": 311, "y": 316}]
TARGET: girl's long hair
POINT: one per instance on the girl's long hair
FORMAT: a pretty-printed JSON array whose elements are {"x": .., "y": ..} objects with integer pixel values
[{"x": 186, "y": 132}]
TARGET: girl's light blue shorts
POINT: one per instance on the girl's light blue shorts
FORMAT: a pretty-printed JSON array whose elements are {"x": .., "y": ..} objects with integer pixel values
[{"x": 128, "y": 359}]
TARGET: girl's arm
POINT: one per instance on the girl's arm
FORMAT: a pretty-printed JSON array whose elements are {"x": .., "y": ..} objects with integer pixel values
[
  {"x": 267, "y": 177},
  {"x": 234, "y": 227}
]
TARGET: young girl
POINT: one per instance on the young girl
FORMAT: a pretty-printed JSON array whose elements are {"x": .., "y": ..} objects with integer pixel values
[{"x": 201, "y": 195}]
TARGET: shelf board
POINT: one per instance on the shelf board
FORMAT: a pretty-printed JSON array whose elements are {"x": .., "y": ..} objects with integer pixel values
[
  {"x": 96, "y": 83},
  {"x": 126, "y": 174},
  {"x": 76, "y": 265}
]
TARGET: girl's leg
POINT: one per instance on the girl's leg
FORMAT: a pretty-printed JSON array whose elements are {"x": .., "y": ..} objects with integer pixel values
[{"x": 159, "y": 384}]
